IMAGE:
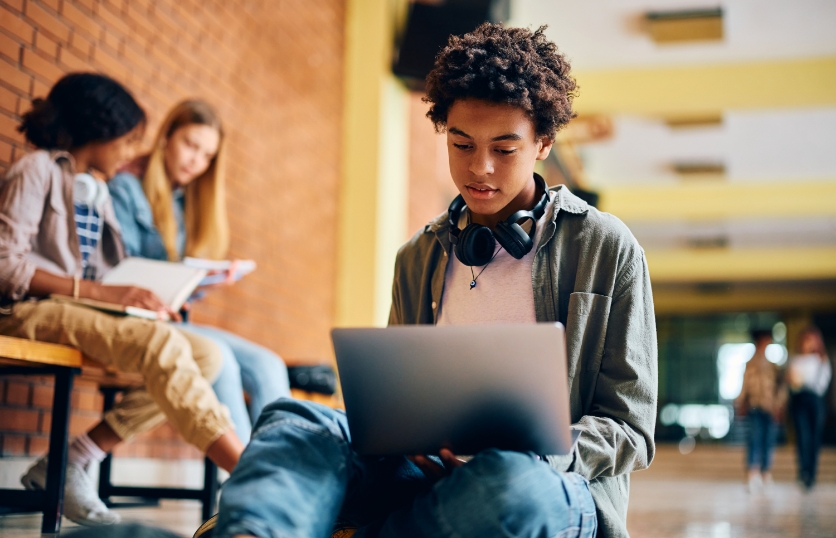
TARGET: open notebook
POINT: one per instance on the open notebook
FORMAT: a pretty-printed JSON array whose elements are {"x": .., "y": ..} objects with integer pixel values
[
  {"x": 219, "y": 268},
  {"x": 171, "y": 282}
]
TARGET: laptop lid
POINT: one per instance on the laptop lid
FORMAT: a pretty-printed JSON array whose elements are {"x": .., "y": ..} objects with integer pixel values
[{"x": 419, "y": 388}]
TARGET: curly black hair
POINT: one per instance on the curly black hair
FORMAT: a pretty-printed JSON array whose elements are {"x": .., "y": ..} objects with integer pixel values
[
  {"x": 81, "y": 108},
  {"x": 514, "y": 66}
]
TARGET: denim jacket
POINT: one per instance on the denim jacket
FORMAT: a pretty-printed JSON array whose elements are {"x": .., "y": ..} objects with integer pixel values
[
  {"x": 590, "y": 274},
  {"x": 139, "y": 233}
]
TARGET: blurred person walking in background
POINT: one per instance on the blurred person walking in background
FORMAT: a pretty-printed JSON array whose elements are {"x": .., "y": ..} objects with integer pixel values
[
  {"x": 809, "y": 376},
  {"x": 762, "y": 400}
]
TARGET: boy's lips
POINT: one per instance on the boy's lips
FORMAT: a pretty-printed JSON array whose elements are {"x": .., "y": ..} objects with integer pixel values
[{"x": 481, "y": 192}]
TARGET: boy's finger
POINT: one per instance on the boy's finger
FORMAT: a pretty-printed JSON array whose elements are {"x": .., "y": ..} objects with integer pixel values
[{"x": 429, "y": 467}]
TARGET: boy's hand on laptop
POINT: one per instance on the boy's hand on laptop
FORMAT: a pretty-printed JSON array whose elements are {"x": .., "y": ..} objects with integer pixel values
[{"x": 433, "y": 469}]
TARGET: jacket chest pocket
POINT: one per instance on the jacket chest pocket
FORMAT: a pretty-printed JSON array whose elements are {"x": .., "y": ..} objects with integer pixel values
[{"x": 586, "y": 332}]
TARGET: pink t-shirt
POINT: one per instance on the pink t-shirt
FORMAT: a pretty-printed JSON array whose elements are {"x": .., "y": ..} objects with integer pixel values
[{"x": 503, "y": 292}]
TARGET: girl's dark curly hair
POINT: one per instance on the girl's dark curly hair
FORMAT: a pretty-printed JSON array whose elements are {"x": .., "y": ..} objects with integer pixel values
[
  {"x": 81, "y": 108},
  {"x": 514, "y": 66}
]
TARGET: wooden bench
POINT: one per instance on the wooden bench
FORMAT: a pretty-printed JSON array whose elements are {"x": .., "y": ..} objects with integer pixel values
[{"x": 25, "y": 357}]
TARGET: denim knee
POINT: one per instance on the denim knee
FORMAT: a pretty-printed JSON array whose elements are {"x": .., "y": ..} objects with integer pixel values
[
  {"x": 305, "y": 414},
  {"x": 518, "y": 493}
]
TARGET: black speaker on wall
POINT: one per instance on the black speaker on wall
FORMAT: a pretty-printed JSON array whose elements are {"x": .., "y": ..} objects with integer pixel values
[{"x": 430, "y": 25}]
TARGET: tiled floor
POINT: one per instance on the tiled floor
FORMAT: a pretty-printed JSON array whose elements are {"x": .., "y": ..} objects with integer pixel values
[
  {"x": 659, "y": 507},
  {"x": 182, "y": 517},
  {"x": 663, "y": 508}
]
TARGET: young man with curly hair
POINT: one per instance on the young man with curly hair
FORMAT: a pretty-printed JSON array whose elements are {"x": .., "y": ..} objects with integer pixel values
[{"x": 500, "y": 94}]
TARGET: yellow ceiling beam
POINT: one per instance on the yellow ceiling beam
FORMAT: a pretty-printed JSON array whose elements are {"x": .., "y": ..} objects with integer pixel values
[
  {"x": 751, "y": 264},
  {"x": 694, "y": 301},
  {"x": 716, "y": 200},
  {"x": 708, "y": 88}
]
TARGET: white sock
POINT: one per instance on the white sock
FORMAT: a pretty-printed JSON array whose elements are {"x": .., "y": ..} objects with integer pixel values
[{"x": 83, "y": 450}]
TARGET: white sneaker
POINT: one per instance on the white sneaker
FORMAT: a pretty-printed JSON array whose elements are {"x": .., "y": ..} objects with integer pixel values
[
  {"x": 755, "y": 483},
  {"x": 81, "y": 501}
]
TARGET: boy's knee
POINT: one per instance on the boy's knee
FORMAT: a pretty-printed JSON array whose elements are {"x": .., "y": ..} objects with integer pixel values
[
  {"x": 305, "y": 414},
  {"x": 513, "y": 491}
]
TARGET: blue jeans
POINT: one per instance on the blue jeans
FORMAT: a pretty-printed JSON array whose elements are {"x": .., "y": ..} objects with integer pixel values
[
  {"x": 808, "y": 415},
  {"x": 761, "y": 439},
  {"x": 299, "y": 477},
  {"x": 247, "y": 367}
]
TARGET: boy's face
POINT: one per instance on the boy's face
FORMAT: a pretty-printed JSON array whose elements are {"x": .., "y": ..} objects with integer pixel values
[{"x": 493, "y": 149}]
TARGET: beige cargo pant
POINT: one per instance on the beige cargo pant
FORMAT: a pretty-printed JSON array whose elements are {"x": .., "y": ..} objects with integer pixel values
[{"x": 177, "y": 367}]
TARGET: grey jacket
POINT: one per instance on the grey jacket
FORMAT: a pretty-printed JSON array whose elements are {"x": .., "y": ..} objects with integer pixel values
[
  {"x": 590, "y": 274},
  {"x": 37, "y": 224}
]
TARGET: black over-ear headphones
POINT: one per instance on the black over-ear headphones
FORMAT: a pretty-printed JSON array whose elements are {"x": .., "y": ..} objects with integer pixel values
[{"x": 475, "y": 244}]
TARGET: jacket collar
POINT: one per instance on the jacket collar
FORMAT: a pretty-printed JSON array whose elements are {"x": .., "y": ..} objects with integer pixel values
[{"x": 59, "y": 155}]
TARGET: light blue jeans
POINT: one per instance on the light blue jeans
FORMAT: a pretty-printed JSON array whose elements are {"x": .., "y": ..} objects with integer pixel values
[
  {"x": 246, "y": 367},
  {"x": 299, "y": 477}
]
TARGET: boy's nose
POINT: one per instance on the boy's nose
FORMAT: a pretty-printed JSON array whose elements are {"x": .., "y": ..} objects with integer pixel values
[{"x": 481, "y": 164}]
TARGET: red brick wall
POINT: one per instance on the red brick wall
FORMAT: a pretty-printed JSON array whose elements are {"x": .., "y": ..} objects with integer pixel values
[
  {"x": 27, "y": 412},
  {"x": 274, "y": 71}
]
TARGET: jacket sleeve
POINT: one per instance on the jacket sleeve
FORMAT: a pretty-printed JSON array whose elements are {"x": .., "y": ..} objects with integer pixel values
[
  {"x": 23, "y": 194},
  {"x": 617, "y": 431},
  {"x": 125, "y": 208},
  {"x": 395, "y": 311}
]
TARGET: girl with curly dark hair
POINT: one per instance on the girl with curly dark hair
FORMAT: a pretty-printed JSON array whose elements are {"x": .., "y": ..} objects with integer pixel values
[
  {"x": 508, "y": 250},
  {"x": 58, "y": 236}
]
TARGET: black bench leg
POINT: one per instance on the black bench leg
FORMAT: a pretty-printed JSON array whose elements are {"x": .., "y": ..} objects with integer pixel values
[
  {"x": 210, "y": 489},
  {"x": 57, "y": 461},
  {"x": 105, "y": 466}
]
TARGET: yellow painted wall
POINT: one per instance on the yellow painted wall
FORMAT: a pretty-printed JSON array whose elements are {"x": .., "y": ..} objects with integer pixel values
[{"x": 373, "y": 211}]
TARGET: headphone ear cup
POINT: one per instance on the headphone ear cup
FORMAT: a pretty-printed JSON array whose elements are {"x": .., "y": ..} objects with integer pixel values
[
  {"x": 513, "y": 239},
  {"x": 475, "y": 245}
]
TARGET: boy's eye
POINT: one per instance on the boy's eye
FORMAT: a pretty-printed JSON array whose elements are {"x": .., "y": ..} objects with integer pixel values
[
  {"x": 461, "y": 146},
  {"x": 506, "y": 151}
]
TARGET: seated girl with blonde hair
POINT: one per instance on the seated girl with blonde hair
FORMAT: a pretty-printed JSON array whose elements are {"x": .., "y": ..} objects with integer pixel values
[{"x": 170, "y": 204}]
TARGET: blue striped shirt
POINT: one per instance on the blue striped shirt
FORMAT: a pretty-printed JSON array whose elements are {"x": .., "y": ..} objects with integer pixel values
[{"x": 88, "y": 226}]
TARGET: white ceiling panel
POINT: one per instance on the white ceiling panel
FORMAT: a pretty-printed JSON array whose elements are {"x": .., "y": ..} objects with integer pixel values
[
  {"x": 781, "y": 144},
  {"x": 771, "y": 145},
  {"x": 738, "y": 233},
  {"x": 606, "y": 34}
]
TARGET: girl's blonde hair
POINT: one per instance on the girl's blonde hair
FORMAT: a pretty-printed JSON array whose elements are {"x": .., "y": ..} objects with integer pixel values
[{"x": 207, "y": 227}]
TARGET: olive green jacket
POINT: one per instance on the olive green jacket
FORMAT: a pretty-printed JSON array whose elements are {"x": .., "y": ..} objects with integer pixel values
[{"x": 590, "y": 274}]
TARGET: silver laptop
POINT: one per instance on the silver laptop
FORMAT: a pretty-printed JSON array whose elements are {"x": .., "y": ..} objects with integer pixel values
[{"x": 419, "y": 388}]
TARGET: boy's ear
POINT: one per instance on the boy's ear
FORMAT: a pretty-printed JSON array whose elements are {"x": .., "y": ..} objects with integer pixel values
[{"x": 546, "y": 144}]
